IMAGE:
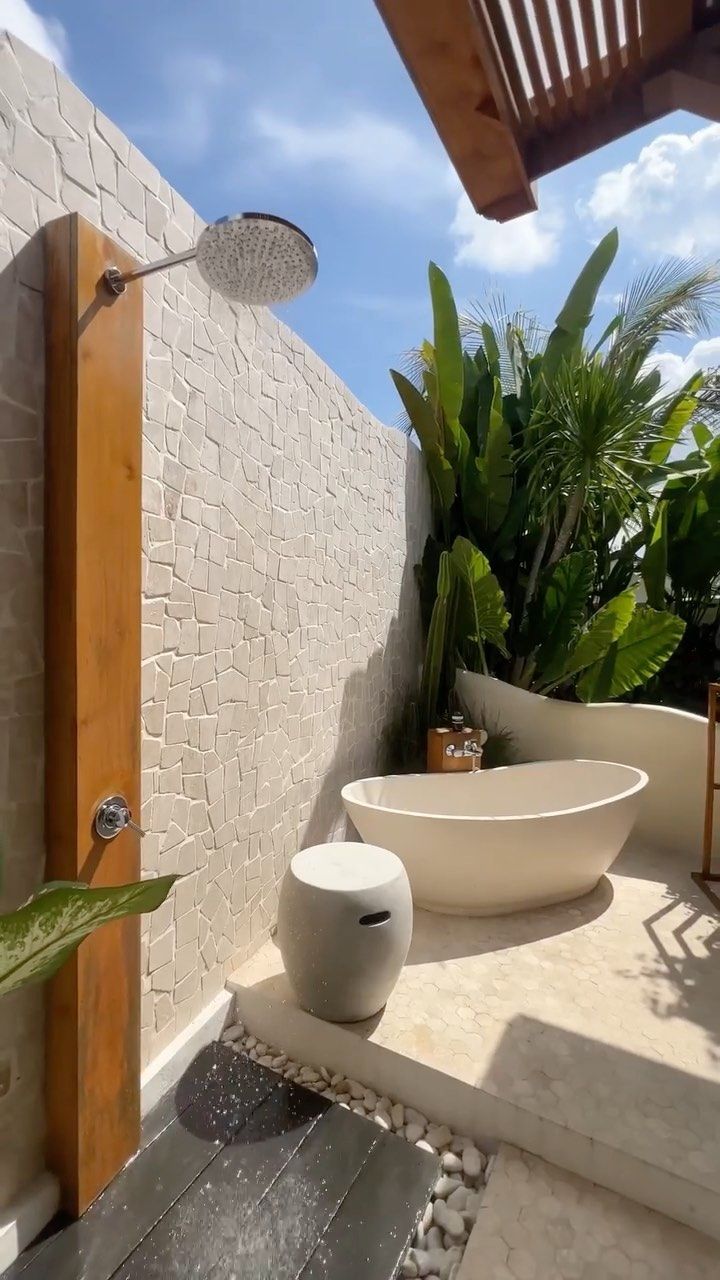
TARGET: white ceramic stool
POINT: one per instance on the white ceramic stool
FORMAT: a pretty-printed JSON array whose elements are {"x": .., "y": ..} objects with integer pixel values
[{"x": 344, "y": 928}]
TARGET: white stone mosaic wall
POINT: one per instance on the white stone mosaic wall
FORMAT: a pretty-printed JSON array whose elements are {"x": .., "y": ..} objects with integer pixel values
[
  {"x": 280, "y": 625},
  {"x": 279, "y": 609}
]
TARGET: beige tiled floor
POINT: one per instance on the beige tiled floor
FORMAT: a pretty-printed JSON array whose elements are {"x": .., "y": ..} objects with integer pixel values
[
  {"x": 538, "y": 1222},
  {"x": 602, "y": 1015}
]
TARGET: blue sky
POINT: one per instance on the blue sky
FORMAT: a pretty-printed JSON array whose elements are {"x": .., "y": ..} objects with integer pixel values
[{"x": 305, "y": 109}]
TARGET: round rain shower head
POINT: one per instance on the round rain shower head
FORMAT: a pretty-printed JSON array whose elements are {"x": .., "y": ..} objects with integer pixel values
[{"x": 256, "y": 258}]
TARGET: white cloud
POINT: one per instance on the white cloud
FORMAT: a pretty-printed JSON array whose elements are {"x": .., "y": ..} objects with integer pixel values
[
  {"x": 675, "y": 369},
  {"x": 371, "y": 156},
  {"x": 666, "y": 200},
  {"x": 382, "y": 162},
  {"x": 195, "y": 84},
  {"x": 47, "y": 35},
  {"x": 517, "y": 247}
]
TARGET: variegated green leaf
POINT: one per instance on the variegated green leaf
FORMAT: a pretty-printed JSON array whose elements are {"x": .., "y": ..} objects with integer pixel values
[{"x": 39, "y": 937}]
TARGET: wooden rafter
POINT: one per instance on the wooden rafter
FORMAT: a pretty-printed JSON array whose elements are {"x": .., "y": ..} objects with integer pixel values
[
  {"x": 516, "y": 88},
  {"x": 441, "y": 47}
]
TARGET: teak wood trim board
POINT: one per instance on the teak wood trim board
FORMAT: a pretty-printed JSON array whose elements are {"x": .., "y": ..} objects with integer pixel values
[{"x": 93, "y": 473}]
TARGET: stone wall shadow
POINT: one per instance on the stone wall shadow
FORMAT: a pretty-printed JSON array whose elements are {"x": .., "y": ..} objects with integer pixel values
[{"x": 359, "y": 750}]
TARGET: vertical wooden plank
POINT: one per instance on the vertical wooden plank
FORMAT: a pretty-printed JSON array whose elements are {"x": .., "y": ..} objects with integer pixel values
[
  {"x": 558, "y": 86},
  {"x": 632, "y": 33},
  {"x": 525, "y": 35},
  {"x": 710, "y": 784},
  {"x": 663, "y": 26},
  {"x": 578, "y": 97},
  {"x": 94, "y": 374}
]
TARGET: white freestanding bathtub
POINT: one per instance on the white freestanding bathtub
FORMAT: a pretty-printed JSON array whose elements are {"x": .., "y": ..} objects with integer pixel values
[{"x": 501, "y": 840}]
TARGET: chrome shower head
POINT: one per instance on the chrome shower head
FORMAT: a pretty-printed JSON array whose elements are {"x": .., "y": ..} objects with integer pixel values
[{"x": 255, "y": 258}]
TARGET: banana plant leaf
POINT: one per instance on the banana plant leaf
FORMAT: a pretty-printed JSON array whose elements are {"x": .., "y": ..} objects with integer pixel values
[
  {"x": 492, "y": 351},
  {"x": 428, "y": 431},
  {"x": 645, "y": 645},
  {"x": 495, "y": 466},
  {"x": 559, "y": 610},
  {"x": 447, "y": 344},
  {"x": 694, "y": 551},
  {"x": 426, "y": 576},
  {"x": 675, "y": 419},
  {"x": 702, "y": 435},
  {"x": 419, "y": 410},
  {"x": 485, "y": 398},
  {"x": 437, "y": 642},
  {"x": 577, "y": 311},
  {"x": 483, "y": 616},
  {"x": 654, "y": 565},
  {"x": 603, "y": 630},
  {"x": 39, "y": 937},
  {"x": 469, "y": 408}
]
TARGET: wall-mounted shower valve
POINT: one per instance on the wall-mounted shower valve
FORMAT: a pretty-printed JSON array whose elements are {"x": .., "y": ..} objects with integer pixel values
[{"x": 113, "y": 816}]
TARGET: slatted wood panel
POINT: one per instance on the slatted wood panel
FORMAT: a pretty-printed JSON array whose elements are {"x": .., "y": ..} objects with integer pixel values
[
  {"x": 490, "y": 14},
  {"x": 560, "y": 99},
  {"x": 563, "y": 77},
  {"x": 540, "y": 101},
  {"x": 578, "y": 89},
  {"x": 443, "y": 50},
  {"x": 94, "y": 375},
  {"x": 632, "y": 32}
]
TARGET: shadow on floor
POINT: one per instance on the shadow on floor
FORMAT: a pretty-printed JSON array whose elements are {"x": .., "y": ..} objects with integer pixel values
[
  {"x": 437, "y": 937},
  {"x": 633, "y": 1102},
  {"x": 221, "y": 1087},
  {"x": 684, "y": 973},
  {"x": 686, "y": 968}
]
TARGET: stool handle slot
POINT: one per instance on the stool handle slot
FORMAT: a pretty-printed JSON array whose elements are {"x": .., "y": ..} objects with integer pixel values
[{"x": 375, "y": 918}]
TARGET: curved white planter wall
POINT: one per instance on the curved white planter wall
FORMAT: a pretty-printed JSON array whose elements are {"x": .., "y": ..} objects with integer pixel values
[{"x": 669, "y": 745}]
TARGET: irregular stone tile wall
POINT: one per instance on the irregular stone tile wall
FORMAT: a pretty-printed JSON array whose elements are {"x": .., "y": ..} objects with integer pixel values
[
  {"x": 280, "y": 521},
  {"x": 280, "y": 624}
]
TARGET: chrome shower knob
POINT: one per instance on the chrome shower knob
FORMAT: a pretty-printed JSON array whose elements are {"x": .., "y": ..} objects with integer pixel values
[{"x": 112, "y": 816}]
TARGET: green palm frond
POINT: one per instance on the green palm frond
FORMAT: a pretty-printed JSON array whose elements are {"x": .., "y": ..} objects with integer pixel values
[
  {"x": 675, "y": 297},
  {"x": 594, "y": 429},
  {"x": 708, "y": 407},
  {"x": 507, "y": 325}
]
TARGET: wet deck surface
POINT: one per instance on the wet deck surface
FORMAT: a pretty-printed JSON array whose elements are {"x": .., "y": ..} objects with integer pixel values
[{"x": 243, "y": 1175}]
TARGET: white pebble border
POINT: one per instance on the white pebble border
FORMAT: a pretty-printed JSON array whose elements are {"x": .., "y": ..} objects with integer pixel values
[{"x": 439, "y": 1242}]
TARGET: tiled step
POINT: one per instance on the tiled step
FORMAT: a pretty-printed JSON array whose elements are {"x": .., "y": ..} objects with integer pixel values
[
  {"x": 539, "y": 1222},
  {"x": 243, "y": 1174}
]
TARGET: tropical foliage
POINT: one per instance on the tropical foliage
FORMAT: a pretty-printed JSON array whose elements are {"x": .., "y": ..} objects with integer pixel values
[
  {"x": 39, "y": 937},
  {"x": 553, "y": 490}
]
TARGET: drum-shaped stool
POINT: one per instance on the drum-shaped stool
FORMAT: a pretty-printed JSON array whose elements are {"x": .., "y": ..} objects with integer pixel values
[{"x": 344, "y": 928}]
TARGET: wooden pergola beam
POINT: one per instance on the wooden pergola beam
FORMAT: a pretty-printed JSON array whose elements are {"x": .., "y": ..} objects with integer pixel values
[
  {"x": 447, "y": 58},
  {"x": 663, "y": 26},
  {"x": 689, "y": 80},
  {"x": 482, "y": 70}
]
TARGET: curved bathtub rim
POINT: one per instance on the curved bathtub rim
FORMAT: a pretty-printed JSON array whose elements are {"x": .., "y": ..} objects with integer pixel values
[{"x": 639, "y": 785}]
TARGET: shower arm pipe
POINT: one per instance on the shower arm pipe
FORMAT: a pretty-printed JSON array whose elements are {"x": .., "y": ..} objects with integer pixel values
[{"x": 116, "y": 281}]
